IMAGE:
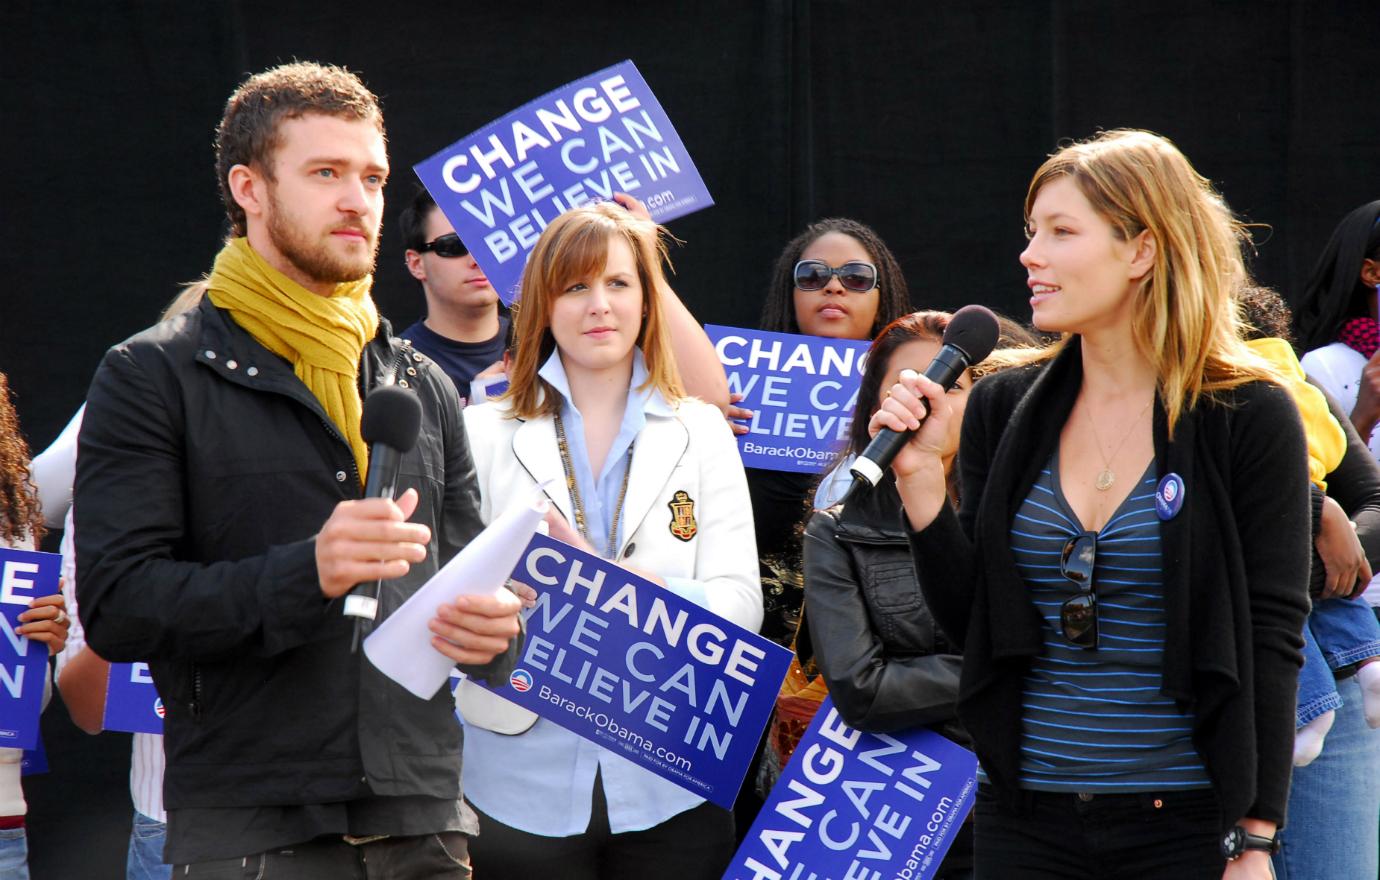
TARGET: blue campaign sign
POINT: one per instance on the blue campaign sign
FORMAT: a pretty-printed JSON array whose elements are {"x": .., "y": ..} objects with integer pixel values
[
  {"x": 860, "y": 805},
  {"x": 643, "y": 672},
  {"x": 131, "y": 701},
  {"x": 501, "y": 185},
  {"x": 802, "y": 390},
  {"x": 25, "y": 575}
]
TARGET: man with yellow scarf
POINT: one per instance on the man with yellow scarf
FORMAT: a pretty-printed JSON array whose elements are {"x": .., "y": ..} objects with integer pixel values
[{"x": 220, "y": 520}]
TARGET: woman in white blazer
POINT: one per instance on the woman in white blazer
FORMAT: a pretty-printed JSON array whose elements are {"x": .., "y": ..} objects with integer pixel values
[{"x": 638, "y": 473}]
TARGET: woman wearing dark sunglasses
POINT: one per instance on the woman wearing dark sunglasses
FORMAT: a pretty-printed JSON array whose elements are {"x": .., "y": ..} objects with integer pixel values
[
  {"x": 1129, "y": 570},
  {"x": 837, "y": 279}
]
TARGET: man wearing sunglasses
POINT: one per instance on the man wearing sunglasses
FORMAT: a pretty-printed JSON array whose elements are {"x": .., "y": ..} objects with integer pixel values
[{"x": 465, "y": 329}]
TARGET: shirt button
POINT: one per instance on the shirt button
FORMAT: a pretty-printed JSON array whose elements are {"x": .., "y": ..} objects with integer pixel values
[
  {"x": 253, "y": 371},
  {"x": 210, "y": 355},
  {"x": 232, "y": 365},
  {"x": 340, "y": 476},
  {"x": 628, "y": 552}
]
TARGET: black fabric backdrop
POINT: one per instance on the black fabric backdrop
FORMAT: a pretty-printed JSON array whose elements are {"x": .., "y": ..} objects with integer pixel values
[{"x": 923, "y": 119}]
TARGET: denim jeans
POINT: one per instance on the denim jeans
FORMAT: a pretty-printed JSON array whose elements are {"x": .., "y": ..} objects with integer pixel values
[
  {"x": 1340, "y": 632},
  {"x": 1317, "y": 687},
  {"x": 1346, "y": 630},
  {"x": 146, "y": 839},
  {"x": 14, "y": 854},
  {"x": 1099, "y": 836},
  {"x": 1334, "y": 802}
]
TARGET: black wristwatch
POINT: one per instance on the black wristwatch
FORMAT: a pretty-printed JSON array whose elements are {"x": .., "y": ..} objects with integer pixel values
[{"x": 1238, "y": 840}]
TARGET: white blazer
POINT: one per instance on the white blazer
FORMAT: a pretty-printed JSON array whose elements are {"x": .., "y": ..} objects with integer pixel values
[{"x": 687, "y": 514}]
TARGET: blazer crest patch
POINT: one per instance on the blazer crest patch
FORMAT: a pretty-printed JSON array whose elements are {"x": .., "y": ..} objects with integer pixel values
[{"x": 683, "y": 524}]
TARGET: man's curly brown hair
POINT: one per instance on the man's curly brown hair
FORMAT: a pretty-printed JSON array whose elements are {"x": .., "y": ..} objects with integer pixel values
[
  {"x": 248, "y": 132},
  {"x": 20, "y": 515}
]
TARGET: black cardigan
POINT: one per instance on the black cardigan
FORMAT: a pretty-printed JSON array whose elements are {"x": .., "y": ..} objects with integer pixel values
[{"x": 1235, "y": 561}]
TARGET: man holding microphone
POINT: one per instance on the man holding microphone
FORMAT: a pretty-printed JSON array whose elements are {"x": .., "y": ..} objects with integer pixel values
[{"x": 220, "y": 520}]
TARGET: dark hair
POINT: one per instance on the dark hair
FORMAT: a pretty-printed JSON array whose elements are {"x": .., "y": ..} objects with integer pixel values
[
  {"x": 412, "y": 223},
  {"x": 20, "y": 514},
  {"x": 908, "y": 328},
  {"x": 248, "y": 132},
  {"x": 1334, "y": 293},
  {"x": 778, "y": 311},
  {"x": 1264, "y": 313}
]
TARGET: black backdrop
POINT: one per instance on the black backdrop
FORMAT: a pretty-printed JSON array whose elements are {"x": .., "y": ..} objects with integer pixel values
[{"x": 922, "y": 119}]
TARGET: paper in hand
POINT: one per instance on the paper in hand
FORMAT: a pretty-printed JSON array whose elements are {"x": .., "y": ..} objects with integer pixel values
[{"x": 401, "y": 647}]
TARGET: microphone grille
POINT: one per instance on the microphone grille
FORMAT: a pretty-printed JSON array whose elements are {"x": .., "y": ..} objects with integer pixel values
[
  {"x": 975, "y": 330},
  {"x": 392, "y": 416}
]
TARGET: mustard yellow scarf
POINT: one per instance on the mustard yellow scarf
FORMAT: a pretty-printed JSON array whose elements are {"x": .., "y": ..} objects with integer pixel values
[{"x": 321, "y": 336}]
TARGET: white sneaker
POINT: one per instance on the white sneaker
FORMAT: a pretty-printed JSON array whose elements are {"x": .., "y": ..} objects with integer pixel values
[{"x": 1308, "y": 739}]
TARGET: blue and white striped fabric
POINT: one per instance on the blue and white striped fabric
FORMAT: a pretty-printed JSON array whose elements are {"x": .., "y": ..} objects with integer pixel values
[{"x": 1095, "y": 720}]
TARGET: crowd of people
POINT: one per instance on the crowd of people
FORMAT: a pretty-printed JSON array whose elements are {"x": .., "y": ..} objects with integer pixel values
[{"x": 1125, "y": 559}]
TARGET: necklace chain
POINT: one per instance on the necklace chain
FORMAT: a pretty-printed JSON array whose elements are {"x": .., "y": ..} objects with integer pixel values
[
  {"x": 571, "y": 485},
  {"x": 1106, "y": 477}
]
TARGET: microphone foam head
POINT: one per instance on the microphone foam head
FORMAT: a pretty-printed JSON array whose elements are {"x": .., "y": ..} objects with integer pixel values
[
  {"x": 975, "y": 330},
  {"x": 392, "y": 416}
]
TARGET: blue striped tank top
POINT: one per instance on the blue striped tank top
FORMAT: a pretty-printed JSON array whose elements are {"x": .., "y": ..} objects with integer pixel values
[{"x": 1095, "y": 720}]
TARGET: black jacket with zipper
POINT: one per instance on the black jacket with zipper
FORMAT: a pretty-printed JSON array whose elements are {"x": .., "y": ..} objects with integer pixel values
[
  {"x": 205, "y": 469},
  {"x": 886, "y": 663}
]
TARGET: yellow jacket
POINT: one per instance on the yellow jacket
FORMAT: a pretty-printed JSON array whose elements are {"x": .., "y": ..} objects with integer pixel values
[{"x": 1326, "y": 439}]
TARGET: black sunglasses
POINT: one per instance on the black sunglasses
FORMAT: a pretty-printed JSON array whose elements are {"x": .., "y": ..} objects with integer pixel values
[
  {"x": 1078, "y": 614},
  {"x": 448, "y": 245},
  {"x": 856, "y": 276}
]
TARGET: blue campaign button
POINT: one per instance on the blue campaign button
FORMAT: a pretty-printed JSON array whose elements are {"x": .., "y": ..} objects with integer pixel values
[{"x": 1169, "y": 496}]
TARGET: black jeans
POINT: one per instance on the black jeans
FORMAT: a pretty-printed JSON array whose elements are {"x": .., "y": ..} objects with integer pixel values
[
  {"x": 1099, "y": 836},
  {"x": 443, "y": 856},
  {"x": 694, "y": 845}
]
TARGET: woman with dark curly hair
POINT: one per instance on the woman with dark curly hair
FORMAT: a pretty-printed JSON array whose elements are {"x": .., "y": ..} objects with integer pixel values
[
  {"x": 838, "y": 280},
  {"x": 21, "y": 528}
]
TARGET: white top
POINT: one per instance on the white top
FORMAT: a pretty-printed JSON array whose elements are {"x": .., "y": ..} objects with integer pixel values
[
  {"x": 53, "y": 471},
  {"x": 146, "y": 754},
  {"x": 1337, "y": 368}
]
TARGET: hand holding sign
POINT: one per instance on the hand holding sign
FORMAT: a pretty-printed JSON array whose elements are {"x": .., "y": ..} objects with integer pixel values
[
  {"x": 46, "y": 622},
  {"x": 601, "y": 137},
  {"x": 25, "y": 578}
]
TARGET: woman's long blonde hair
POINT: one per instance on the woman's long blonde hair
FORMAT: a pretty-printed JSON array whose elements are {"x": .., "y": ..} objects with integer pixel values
[
  {"x": 1184, "y": 320},
  {"x": 575, "y": 246}
]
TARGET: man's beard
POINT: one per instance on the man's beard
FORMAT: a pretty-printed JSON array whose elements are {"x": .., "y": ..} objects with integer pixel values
[{"x": 311, "y": 256}]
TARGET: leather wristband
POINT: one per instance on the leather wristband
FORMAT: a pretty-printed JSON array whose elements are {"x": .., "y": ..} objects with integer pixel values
[{"x": 1238, "y": 841}]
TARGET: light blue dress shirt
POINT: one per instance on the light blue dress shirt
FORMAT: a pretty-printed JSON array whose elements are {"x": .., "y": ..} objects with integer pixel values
[{"x": 542, "y": 781}]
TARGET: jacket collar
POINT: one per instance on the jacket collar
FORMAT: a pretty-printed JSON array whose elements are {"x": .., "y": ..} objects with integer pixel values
[
  {"x": 232, "y": 353},
  {"x": 874, "y": 516},
  {"x": 660, "y": 446}
]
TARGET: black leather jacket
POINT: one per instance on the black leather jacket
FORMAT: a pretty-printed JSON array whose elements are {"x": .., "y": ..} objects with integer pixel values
[
  {"x": 205, "y": 470},
  {"x": 886, "y": 663}
]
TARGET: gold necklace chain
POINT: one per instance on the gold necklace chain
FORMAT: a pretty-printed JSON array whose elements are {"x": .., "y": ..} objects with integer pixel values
[
  {"x": 1106, "y": 477},
  {"x": 570, "y": 484}
]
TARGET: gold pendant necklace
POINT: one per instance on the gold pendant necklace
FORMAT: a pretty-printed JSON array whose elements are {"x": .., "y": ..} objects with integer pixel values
[{"x": 1106, "y": 477}]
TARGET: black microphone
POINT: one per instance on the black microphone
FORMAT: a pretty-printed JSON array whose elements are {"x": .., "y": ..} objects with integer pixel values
[
  {"x": 392, "y": 418},
  {"x": 970, "y": 337}
]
